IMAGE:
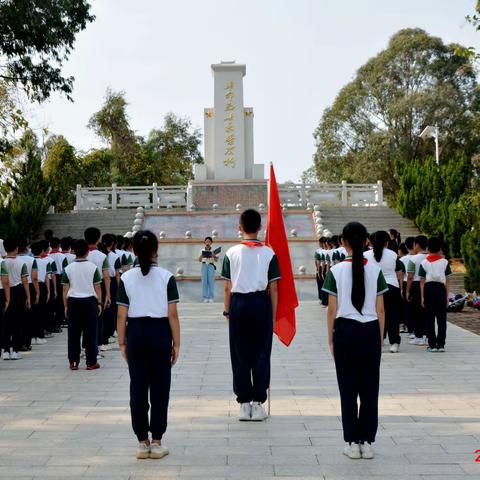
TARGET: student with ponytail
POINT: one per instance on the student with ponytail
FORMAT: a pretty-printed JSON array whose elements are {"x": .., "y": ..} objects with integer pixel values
[
  {"x": 393, "y": 271},
  {"x": 355, "y": 319},
  {"x": 148, "y": 331}
]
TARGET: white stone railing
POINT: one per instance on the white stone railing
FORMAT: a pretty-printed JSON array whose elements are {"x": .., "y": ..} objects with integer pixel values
[
  {"x": 150, "y": 197},
  {"x": 292, "y": 195},
  {"x": 301, "y": 195}
]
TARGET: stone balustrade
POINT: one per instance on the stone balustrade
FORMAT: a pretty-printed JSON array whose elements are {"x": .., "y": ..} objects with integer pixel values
[{"x": 292, "y": 195}]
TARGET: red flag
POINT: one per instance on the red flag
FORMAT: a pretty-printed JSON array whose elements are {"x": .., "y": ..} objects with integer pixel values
[{"x": 276, "y": 238}]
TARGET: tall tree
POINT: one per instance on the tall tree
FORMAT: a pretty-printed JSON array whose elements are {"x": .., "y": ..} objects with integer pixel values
[
  {"x": 111, "y": 124},
  {"x": 62, "y": 171},
  {"x": 36, "y": 39},
  {"x": 25, "y": 195},
  {"x": 371, "y": 131},
  {"x": 169, "y": 153}
]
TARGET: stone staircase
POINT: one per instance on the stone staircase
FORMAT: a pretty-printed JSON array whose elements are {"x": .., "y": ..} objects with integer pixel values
[
  {"x": 374, "y": 218},
  {"x": 74, "y": 224}
]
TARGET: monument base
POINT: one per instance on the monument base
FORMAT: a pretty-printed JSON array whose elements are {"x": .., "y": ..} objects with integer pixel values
[{"x": 227, "y": 194}]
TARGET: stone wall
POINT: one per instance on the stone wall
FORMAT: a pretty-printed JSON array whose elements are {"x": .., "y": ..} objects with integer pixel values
[{"x": 228, "y": 194}]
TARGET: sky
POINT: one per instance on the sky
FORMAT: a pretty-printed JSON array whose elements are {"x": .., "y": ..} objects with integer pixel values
[{"x": 298, "y": 53}]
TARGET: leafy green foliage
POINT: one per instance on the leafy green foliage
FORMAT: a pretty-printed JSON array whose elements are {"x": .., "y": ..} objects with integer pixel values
[
  {"x": 25, "y": 196},
  {"x": 371, "y": 131},
  {"x": 36, "y": 39},
  {"x": 62, "y": 171}
]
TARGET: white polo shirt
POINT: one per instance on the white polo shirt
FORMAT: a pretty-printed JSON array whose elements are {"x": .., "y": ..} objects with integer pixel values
[
  {"x": 29, "y": 263},
  {"x": 69, "y": 258},
  {"x": 389, "y": 265},
  {"x": 338, "y": 282},
  {"x": 81, "y": 276},
  {"x": 58, "y": 257},
  {"x": 414, "y": 265},
  {"x": 250, "y": 268},
  {"x": 114, "y": 263},
  {"x": 99, "y": 259},
  {"x": 147, "y": 295},
  {"x": 17, "y": 269},
  {"x": 3, "y": 271},
  {"x": 43, "y": 267},
  {"x": 435, "y": 268},
  {"x": 405, "y": 260}
]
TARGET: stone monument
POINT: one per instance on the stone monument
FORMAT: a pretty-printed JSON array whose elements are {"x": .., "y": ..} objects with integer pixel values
[{"x": 229, "y": 175}]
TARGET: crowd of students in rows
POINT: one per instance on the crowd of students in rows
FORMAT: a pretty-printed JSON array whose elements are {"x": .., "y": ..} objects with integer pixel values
[
  {"x": 33, "y": 300},
  {"x": 416, "y": 273}
]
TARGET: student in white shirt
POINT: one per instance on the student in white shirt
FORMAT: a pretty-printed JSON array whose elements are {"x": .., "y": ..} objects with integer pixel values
[
  {"x": 405, "y": 252},
  {"x": 393, "y": 271},
  {"x": 115, "y": 269},
  {"x": 319, "y": 258},
  {"x": 58, "y": 258},
  {"x": 92, "y": 236},
  {"x": 148, "y": 331},
  {"x": 19, "y": 302},
  {"x": 413, "y": 290},
  {"x": 434, "y": 272},
  {"x": 356, "y": 320},
  {"x": 4, "y": 297},
  {"x": 82, "y": 297},
  {"x": 251, "y": 274},
  {"x": 40, "y": 308},
  {"x": 208, "y": 271},
  {"x": 24, "y": 254},
  {"x": 66, "y": 246}
]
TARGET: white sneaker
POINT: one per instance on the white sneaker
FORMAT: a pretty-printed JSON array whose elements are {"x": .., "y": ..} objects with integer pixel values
[
  {"x": 366, "y": 450},
  {"x": 411, "y": 336},
  {"x": 205, "y": 300},
  {"x": 417, "y": 341},
  {"x": 6, "y": 355},
  {"x": 15, "y": 356},
  {"x": 245, "y": 412},
  {"x": 258, "y": 412},
  {"x": 104, "y": 348},
  {"x": 158, "y": 451},
  {"x": 143, "y": 451},
  {"x": 210, "y": 300},
  {"x": 34, "y": 341},
  {"x": 394, "y": 348},
  {"x": 41, "y": 341},
  {"x": 352, "y": 451}
]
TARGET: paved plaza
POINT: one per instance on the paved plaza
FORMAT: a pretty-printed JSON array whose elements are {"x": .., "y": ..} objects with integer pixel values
[{"x": 69, "y": 425}]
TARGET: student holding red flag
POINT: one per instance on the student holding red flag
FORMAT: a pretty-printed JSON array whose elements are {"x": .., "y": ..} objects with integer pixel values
[
  {"x": 250, "y": 297},
  {"x": 276, "y": 238}
]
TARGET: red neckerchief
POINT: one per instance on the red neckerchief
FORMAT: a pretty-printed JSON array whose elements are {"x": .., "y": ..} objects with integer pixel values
[
  {"x": 365, "y": 260},
  {"x": 434, "y": 257},
  {"x": 54, "y": 251},
  {"x": 91, "y": 249},
  {"x": 251, "y": 243},
  {"x": 44, "y": 255}
]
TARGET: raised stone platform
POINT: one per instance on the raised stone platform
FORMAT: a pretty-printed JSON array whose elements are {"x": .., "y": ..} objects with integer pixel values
[{"x": 58, "y": 424}]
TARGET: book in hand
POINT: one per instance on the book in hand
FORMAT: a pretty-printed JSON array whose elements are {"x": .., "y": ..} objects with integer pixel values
[{"x": 211, "y": 253}]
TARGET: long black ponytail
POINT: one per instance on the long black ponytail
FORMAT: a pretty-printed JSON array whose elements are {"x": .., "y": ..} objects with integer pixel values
[
  {"x": 380, "y": 241},
  {"x": 145, "y": 246},
  {"x": 356, "y": 234}
]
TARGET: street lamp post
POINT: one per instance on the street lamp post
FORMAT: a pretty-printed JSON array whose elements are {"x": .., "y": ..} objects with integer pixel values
[{"x": 432, "y": 132}]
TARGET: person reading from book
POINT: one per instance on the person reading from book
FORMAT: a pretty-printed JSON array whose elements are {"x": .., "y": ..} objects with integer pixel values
[{"x": 208, "y": 257}]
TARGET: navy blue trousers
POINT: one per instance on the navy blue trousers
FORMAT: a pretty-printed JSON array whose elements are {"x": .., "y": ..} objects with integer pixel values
[
  {"x": 251, "y": 331},
  {"x": 435, "y": 297},
  {"x": 82, "y": 318},
  {"x": 149, "y": 346},
  {"x": 357, "y": 349},
  {"x": 419, "y": 320},
  {"x": 14, "y": 319}
]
